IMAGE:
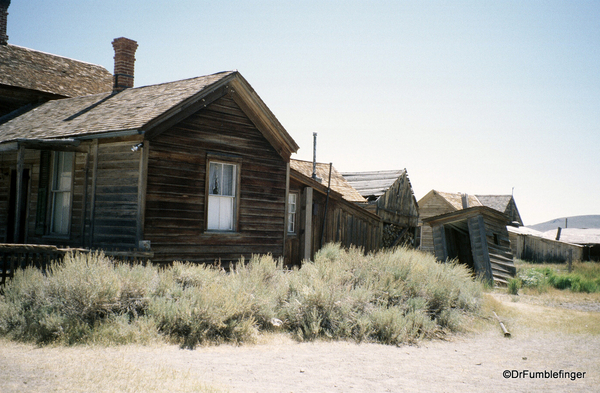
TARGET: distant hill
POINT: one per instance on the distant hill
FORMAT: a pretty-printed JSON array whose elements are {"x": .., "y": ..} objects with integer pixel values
[{"x": 592, "y": 221}]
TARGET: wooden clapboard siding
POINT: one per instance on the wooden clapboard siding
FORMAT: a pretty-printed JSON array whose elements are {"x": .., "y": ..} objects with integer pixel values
[
  {"x": 431, "y": 207},
  {"x": 176, "y": 196},
  {"x": 115, "y": 195}
]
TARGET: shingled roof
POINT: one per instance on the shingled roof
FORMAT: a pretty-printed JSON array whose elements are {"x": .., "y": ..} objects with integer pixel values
[
  {"x": 338, "y": 183},
  {"x": 496, "y": 202},
  {"x": 455, "y": 199},
  {"x": 34, "y": 70},
  {"x": 129, "y": 109},
  {"x": 141, "y": 110},
  {"x": 373, "y": 184}
]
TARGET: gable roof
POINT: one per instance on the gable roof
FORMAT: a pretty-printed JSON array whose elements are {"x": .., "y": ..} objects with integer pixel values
[
  {"x": 34, "y": 70},
  {"x": 338, "y": 182},
  {"x": 373, "y": 184},
  {"x": 141, "y": 110},
  {"x": 501, "y": 203}
]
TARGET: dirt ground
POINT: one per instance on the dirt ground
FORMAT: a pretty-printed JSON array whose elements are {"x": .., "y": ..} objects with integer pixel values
[{"x": 473, "y": 362}]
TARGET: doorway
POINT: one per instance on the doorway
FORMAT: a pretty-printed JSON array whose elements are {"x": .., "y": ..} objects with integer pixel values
[
  {"x": 12, "y": 207},
  {"x": 458, "y": 245}
]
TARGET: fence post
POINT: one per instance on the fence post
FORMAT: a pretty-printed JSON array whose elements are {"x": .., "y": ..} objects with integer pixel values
[{"x": 570, "y": 260}]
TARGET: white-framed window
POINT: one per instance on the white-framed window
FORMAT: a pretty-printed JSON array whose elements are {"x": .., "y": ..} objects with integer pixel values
[
  {"x": 61, "y": 193},
  {"x": 292, "y": 212},
  {"x": 222, "y": 196}
]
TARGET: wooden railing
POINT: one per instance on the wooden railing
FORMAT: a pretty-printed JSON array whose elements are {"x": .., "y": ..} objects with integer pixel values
[{"x": 20, "y": 256}]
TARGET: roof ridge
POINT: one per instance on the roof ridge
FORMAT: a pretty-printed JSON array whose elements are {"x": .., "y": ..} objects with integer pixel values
[{"x": 55, "y": 55}]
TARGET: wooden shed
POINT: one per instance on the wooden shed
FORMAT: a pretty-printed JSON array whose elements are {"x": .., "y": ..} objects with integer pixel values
[
  {"x": 531, "y": 245},
  {"x": 476, "y": 237},
  {"x": 195, "y": 169},
  {"x": 323, "y": 210},
  {"x": 435, "y": 203},
  {"x": 389, "y": 195}
]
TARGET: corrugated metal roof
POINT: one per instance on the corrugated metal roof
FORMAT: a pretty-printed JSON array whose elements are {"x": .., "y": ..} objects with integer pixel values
[
  {"x": 338, "y": 182},
  {"x": 129, "y": 109},
  {"x": 373, "y": 183},
  {"x": 575, "y": 235},
  {"x": 30, "y": 69}
]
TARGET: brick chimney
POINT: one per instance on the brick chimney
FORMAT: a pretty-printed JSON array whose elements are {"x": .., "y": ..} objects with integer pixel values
[
  {"x": 124, "y": 63},
  {"x": 4, "y": 4}
]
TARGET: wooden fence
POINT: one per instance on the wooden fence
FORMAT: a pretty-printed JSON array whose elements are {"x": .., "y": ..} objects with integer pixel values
[{"x": 20, "y": 256}]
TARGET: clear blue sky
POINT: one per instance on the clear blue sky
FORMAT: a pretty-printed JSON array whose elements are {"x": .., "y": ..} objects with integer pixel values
[{"x": 468, "y": 96}]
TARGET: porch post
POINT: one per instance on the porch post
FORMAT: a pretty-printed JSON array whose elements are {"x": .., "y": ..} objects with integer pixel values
[
  {"x": 19, "y": 196},
  {"x": 308, "y": 211}
]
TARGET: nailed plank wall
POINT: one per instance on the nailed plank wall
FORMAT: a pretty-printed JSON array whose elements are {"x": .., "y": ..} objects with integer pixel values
[
  {"x": 397, "y": 205},
  {"x": 175, "y": 197},
  {"x": 538, "y": 249}
]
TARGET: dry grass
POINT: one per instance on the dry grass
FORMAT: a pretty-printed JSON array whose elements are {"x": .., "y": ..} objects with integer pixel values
[
  {"x": 544, "y": 312},
  {"x": 89, "y": 369}
]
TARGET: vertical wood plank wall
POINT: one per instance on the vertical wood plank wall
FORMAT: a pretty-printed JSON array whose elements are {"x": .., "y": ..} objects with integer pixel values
[{"x": 397, "y": 205}]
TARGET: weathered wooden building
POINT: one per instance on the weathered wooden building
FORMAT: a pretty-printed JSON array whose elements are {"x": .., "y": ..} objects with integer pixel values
[
  {"x": 389, "y": 195},
  {"x": 435, "y": 203},
  {"x": 324, "y": 208},
  {"x": 476, "y": 237},
  {"x": 531, "y": 245},
  {"x": 196, "y": 169},
  {"x": 29, "y": 77}
]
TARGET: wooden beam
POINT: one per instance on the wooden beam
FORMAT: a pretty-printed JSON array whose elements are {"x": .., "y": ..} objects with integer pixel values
[
  {"x": 86, "y": 170},
  {"x": 94, "y": 180},
  {"x": 142, "y": 182},
  {"x": 19, "y": 196},
  {"x": 306, "y": 243},
  {"x": 285, "y": 220}
]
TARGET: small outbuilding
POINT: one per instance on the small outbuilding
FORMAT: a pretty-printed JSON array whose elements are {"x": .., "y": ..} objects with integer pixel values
[
  {"x": 435, "y": 203},
  {"x": 531, "y": 245},
  {"x": 476, "y": 237}
]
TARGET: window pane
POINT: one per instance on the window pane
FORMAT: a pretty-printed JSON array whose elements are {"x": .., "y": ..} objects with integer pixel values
[
  {"x": 66, "y": 171},
  {"x": 226, "y": 213},
  {"x": 220, "y": 213},
  {"x": 292, "y": 199},
  {"x": 215, "y": 179},
  {"x": 60, "y": 216},
  {"x": 228, "y": 175}
]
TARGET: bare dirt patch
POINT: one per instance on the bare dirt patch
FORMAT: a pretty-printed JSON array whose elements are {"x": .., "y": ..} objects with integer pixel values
[{"x": 470, "y": 362}]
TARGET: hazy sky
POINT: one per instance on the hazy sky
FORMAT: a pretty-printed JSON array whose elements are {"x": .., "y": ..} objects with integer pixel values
[{"x": 468, "y": 96}]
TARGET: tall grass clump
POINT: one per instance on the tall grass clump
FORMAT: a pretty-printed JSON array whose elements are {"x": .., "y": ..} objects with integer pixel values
[
  {"x": 74, "y": 298},
  {"x": 201, "y": 304},
  {"x": 392, "y": 297}
]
